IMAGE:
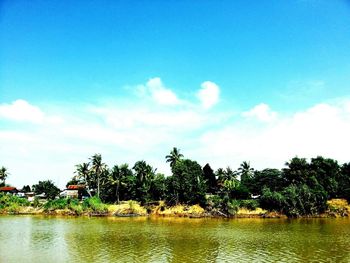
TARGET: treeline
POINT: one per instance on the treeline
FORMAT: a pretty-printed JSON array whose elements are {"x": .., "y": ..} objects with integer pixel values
[{"x": 302, "y": 188}]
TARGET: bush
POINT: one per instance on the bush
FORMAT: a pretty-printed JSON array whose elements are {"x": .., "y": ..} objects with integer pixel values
[
  {"x": 11, "y": 203},
  {"x": 249, "y": 204},
  {"x": 272, "y": 200},
  {"x": 214, "y": 201},
  {"x": 295, "y": 200},
  {"x": 52, "y": 205},
  {"x": 233, "y": 206},
  {"x": 36, "y": 202},
  {"x": 94, "y": 204}
]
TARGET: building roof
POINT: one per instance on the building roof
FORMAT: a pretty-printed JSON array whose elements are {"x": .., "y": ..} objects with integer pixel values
[
  {"x": 8, "y": 188},
  {"x": 75, "y": 186}
]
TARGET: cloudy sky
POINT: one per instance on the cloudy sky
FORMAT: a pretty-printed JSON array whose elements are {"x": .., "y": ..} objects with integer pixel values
[{"x": 224, "y": 81}]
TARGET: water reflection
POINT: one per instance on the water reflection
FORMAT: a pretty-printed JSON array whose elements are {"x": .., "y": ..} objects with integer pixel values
[{"x": 63, "y": 239}]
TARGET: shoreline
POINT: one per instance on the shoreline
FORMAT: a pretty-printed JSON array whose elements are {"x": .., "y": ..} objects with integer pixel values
[{"x": 153, "y": 214}]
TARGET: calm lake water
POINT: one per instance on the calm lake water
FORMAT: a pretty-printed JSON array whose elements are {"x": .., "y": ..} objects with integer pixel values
[{"x": 82, "y": 239}]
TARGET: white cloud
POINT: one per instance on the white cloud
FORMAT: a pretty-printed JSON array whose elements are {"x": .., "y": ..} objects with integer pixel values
[
  {"x": 261, "y": 112},
  {"x": 320, "y": 130},
  {"x": 159, "y": 92},
  {"x": 129, "y": 132},
  {"x": 208, "y": 94},
  {"x": 21, "y": 111}
]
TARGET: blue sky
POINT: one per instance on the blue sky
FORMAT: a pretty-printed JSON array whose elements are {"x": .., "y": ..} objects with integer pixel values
[{"x": 225, "y": 72}]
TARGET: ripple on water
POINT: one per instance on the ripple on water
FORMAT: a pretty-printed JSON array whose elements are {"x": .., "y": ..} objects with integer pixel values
[{"x": 38, "y": 239}]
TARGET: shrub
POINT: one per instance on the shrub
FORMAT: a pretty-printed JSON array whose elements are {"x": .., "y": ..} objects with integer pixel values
[
  {"x": 233, "y": 206},
  {"x": 52, "y": 205},
  {"x": 249, "y": 204},
  {"x": 11, "y": 203},
  {"x": 94, "y": 204}
]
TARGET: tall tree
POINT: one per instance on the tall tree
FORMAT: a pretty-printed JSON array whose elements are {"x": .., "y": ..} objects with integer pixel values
[
  {"x": 188, "y": 183},
  {"x": 114, "y": 179},
  {"x": 98, "y": 168},
  {"x": 128, "y": 185},
  {"x": 3, "y": 174},
  {"x": 297, "y": 171},
  {"x": 83, "y": 175},
  {"x": 328, "y": 174},
  {"x": 245, "y": 171},
  {"x": 210, "y": 179},
  {"x": 144, "y": 176},
  {"x": 174, "y": 157}
]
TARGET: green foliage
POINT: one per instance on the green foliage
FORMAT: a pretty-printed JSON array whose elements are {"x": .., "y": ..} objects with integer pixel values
[
  {"x": 26, "y": 188},
  {"x": 245, "y": 172},
  {"x": 272, "y": 200},
  {"x": 52, "y": 205},
  {"x": 187, "y": 184},
  {"x": 271, "y": 178},
  {"x": 47, "y": 187},
  {"x": 210, "y": 179},
  {"x": 233, "y": 206},
  {"x": 94, "y": 204},
  {"x": 11, "y": 203},
  {"x": 36, "y": 202},
  {"x": 158, "y": 187},
  {"x": 174, "y": 157},
  {"x": 301, "y": 188},
  {"x": 214, "y": 202},
  {"x": 144, "y": 177},
  {"x": 3, "y": 175},
  {"x": 295, "y": 200},
  {"x": 249, "y": 204}
]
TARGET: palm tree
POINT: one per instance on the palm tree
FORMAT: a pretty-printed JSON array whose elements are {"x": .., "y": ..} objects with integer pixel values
[
  {"x": 83, "y": 174},
  {"x": 98, "y": 167},
  {"x": 143, "y": 171},
  {"x": 3, "y": 174},
  {"x": 114, "y": 179},
  {"x": 174, "y": 157},
  {"x": 144, "y": 178},
  {"x": 245, "y": 171}
]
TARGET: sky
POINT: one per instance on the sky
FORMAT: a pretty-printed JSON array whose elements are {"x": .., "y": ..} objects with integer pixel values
[{"x": 224, "y": 81}]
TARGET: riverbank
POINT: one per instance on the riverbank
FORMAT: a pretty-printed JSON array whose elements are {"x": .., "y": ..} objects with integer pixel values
[{"x": 94, "y": 207}]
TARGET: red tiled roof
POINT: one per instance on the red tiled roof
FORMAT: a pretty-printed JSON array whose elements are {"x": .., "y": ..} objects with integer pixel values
[
  {"x": 7, "y": 188},
  {"x": 75, "y": 186}
]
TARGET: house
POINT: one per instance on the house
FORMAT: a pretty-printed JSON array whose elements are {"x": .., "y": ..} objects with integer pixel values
[
  {"x": 73, "y": 191},
  {"x": 30, "y": 196},
  {"x": 8, "y": 189}
]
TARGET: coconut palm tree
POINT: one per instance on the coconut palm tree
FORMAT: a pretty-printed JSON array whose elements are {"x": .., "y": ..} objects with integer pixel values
[
  {"x": 143, "y": 171},
  {"x": 97, "y": 169},
  {"x": 83, "y": 174},
  {"x": 174, "y": 157},
  {"x": 114, "y": 179},
  {"x": 3, "y": 174},
  {"x": 144, "y": 177},
  {"x": 245, "y": 171}
]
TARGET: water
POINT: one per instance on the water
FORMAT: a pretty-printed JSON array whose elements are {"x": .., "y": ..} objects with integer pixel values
[{"x": 82, "y": 239}]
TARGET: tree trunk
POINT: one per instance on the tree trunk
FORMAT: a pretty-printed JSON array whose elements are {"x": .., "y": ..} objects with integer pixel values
[
  {"x": 98, "y": 186},
  {"x": 117, "y": 193}
]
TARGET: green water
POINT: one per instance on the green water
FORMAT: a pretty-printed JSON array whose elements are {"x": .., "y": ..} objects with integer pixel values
[{"x": 65, "y": 239}]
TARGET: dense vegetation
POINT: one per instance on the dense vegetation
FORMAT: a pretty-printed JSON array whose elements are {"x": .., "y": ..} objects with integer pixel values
[
  {"x": 11, "y": 203},
  {"x": 301, "y": 188}
]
